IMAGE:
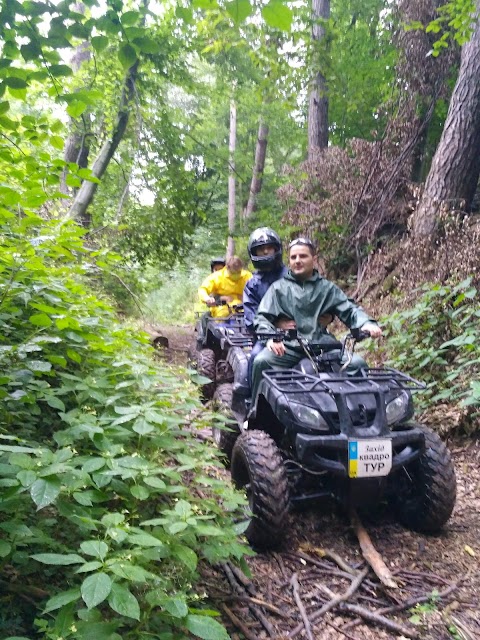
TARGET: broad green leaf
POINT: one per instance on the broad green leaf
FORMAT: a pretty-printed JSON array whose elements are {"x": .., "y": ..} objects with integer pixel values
[
  {"x": 127, "y": 56},
  {"x": 130, "y": 572},
  {"x": 95, "y": 589},
  {"x": 154, "y": 482},
  {"x": 75, "y": 109},
  {"x": 39, "y": 365},
  {"x": 147, "y": 45},
  {"x": 4, "y": 107},
  {"x": 129, "y": 18},
  {"x": 15, "y": 83},
  {"x": 186, "y": 555},
  {"x": 177, "y": 607},
  {"x": 142, "y": 427},
  {"x": 55, "y": 403},
  {"x": 141, "y": 493},
  {"x": 44, "y": 491},
  {"x": 239, "y": 10},
  {"x": 60, "y": 70},
  {"x": 205, "y": 4},
  {"x": 99, "y": 43},
  {"x": 124, "y": 602},
  {"x": 58, "y": 558},
  {"x": 277, "y": 15},
  {"x": 40, "y": 319},
  {"x": 206, "y": 628},
  {"x": 145, "y": 540},
  {"x": 5, "y": 548},
  {"x": 62, "y": 599},
  {"x": 89, "y": 566},
  {"x": 96, "y": 548}
]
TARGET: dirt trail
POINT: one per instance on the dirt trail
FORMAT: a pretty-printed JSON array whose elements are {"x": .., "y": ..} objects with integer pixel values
[{"x": 321, "y": 558}]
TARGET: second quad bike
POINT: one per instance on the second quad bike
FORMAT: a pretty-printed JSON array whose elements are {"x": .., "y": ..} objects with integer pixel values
[
  {"x": 215, "y": 338},
  {"x": 317, "y": 432}
]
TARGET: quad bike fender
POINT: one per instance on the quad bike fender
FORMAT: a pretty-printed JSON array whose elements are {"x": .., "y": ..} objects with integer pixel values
[{"x": 316, "y": 451}]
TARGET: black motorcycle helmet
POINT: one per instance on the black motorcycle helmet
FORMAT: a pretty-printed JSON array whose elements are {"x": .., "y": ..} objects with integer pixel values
[
  {"x": 260, "y": 237},
  {"x": 216, "y": 261}
]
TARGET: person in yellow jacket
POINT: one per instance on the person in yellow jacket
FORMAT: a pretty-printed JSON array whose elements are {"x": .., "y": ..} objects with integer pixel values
[{"x": 227, "y": 285}]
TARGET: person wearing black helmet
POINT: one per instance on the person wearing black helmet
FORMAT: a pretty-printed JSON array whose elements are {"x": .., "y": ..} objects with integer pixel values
[
  {"x": 216, "y": 264},
  {"x": 265, "y": 251}
]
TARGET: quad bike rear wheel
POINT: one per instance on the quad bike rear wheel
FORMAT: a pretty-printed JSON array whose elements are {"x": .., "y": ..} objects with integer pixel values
[
  {"x": 425, "y": 490},
  {"x": 206, "y": 366},
  {"x": 225, "y": 438},
  {"x": 258, "y": 466}
]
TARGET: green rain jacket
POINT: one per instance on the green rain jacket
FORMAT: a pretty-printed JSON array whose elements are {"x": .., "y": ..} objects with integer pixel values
[{"x": 305, "y": 302}]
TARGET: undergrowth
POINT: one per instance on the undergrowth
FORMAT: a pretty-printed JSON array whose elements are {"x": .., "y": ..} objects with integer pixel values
[
  {"x": 108, "y": 500},
  {"x": 438, "y": 342}
]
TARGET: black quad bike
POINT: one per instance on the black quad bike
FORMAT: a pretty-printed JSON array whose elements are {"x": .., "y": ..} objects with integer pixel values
[
  {"x": 316, "y": 432},
  {"x": 213, "y": 344}
]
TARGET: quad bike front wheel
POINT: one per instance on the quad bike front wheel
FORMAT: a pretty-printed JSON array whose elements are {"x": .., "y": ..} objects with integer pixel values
[
  {"x": 258, "y": 467},
  {"x": 425, "y": 491},
  {"x": 206, "y": 366},
  {"x": 225, "y": 438}
]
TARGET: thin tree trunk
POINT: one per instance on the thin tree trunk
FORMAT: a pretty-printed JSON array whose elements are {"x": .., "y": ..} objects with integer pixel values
[
  {"x": 258, "y": 168},
  {"x": 77, "y": 145},
  {"x": 318, "y": 101},
  {"x": 86, "y": 192},
  {"x": 231, "y": 180},
  {"x": 455, "y": 169}
]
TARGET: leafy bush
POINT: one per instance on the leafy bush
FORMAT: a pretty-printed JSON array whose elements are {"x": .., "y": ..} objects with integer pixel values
[
  {"x": 438, "y": 341},
  {"x": 109, "y": 502}
]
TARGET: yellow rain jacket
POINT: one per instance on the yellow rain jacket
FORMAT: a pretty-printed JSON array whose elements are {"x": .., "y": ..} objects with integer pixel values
[{"x": 223, "y": 283}]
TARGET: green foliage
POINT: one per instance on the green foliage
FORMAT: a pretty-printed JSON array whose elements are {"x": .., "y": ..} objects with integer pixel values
[
  {"x": 98, "y": 456},
  {"x": 438, "y": 341}
]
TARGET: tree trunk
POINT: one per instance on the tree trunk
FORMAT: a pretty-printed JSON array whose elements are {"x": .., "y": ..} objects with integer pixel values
[
  {"x": 318, "y": 101},
  {"x": 455, "y": 169},
  {"x": 231, "y": 180},
  {"x": 77, "y": 145},
  {"x": 86, "y": 192},
  {"x": 258, "y": 168}
]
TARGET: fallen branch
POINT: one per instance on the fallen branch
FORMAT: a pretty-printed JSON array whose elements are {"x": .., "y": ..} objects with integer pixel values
[
  {"x": 377, "y": 618},
  {"x": 330, "y": 555},
  {"x": 335, "y": 600},
  {"x": 370, "y": 554},
  {"x": 240, "y": 590},
  {"x": 239, "y": 624},
  {"x": 301, "y": 608}
]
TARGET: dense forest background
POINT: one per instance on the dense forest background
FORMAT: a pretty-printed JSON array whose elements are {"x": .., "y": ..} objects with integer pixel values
[{"x": 138, "y": 140}]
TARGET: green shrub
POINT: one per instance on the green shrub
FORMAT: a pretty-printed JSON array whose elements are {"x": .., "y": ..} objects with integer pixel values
[
  {"x": 438, "y": 341},
  {"x": 108, "y": 500}
]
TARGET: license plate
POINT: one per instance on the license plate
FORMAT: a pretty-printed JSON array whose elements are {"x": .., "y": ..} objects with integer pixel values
[{"x": 369, "y": 458}]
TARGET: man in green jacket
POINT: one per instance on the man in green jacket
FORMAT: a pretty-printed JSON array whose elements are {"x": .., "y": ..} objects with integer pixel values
[{"x": 302, "y": 296}]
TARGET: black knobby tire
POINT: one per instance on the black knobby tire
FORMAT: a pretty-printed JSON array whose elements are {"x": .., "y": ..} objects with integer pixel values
[
  {"x": 225, "y": 439},
  {"x": 425, "y": 492},
  {"x": 258, "y": 466},
  {"x": 206, "y": 366}
]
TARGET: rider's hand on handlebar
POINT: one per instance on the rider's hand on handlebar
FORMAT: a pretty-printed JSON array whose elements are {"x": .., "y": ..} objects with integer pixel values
[
  {"x": 210, "y": 302},
  {"x": 373, "y": 329},
  {"x": 278, "y": 348}
]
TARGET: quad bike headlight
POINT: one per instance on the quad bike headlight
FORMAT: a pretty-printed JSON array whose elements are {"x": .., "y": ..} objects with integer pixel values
[
  {"x": 308, "y": 416},
  {"x": 397, "y": 408}
]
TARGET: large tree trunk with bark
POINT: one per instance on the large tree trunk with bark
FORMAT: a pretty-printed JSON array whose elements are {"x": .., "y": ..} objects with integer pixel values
[
  {"x": 258, "y": 168},
  {"x": 231, "y": 180},
  {"x": 318, "y": 101},
  {"x": 86, "y": 192},
  {"x": 453, "y": 176}
]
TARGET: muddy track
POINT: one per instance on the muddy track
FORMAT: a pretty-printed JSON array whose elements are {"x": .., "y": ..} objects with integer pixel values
[{"x": 297, "y": 592}]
